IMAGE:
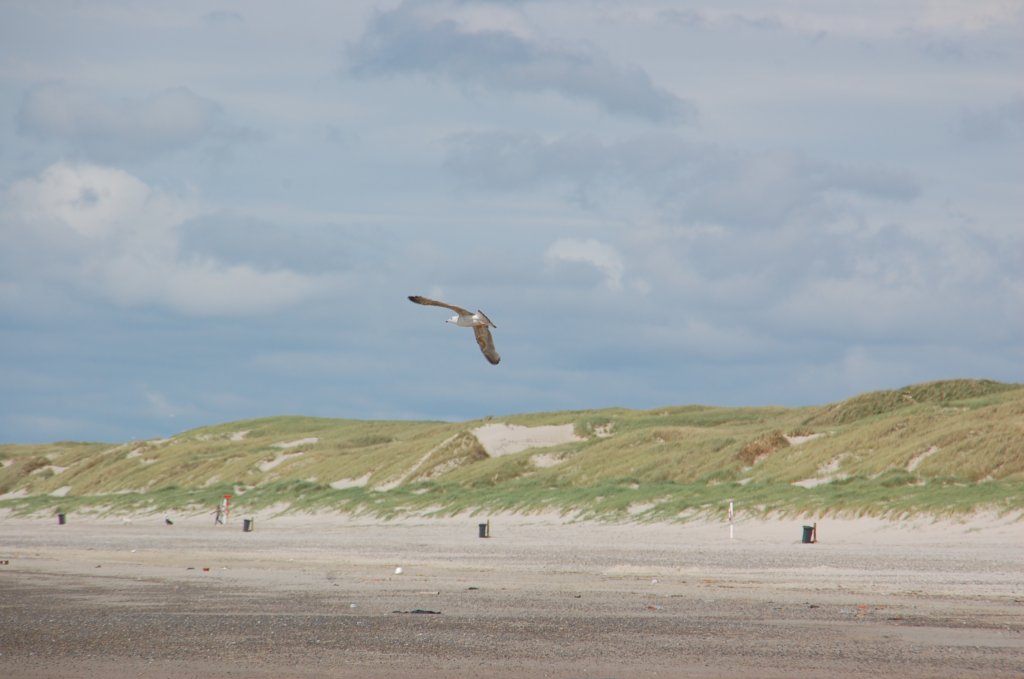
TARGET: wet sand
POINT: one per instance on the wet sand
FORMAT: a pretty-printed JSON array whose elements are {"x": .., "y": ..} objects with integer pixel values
[{"x": 320, "y": 596}]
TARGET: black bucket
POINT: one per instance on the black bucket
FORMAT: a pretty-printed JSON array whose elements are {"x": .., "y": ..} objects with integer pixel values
[
  {"x": 62, "y": 519},
  {"x": 485, "y": 530},
  {"x": 247, "y": 525},
  {"x": 808, "y": 535}
]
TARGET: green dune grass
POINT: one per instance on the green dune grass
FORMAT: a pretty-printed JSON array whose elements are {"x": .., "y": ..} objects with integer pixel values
[{"x": 942, "y": 448}]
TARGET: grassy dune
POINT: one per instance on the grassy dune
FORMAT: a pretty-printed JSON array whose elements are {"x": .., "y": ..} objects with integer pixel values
[{"x": 938, "y": 449}]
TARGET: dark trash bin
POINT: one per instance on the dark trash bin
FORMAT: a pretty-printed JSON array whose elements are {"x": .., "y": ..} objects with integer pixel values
[
  {"x": 808, "y": 535},
  {"x": 485, "y": 530},
  {"x": 248, "y": 525},
  {"x": 62, "y": 519}
]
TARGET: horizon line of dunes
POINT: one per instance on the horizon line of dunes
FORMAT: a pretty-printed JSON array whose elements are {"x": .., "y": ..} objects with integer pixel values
[{"x": 938, "y": 448}]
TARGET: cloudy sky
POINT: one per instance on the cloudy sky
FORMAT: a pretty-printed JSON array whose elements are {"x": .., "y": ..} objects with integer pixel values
[{"x": 215, "y": 211}]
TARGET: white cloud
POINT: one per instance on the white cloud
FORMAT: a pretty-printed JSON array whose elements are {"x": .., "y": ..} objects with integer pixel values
[
  {"x": 481, "y": 17},
  {"x": 204, "y": 287},
  {"x": 97, "y": 201},
  {"x": 120, "y": 239},
  {"x": 601, "y": 256},
  {"x": 975, "y": 16},
  {"x": 492, "y": 47},
  {"x": 124, "y": 128},
  {"x": 686, "y": 182},
  {"x": 845, "y": 19}
]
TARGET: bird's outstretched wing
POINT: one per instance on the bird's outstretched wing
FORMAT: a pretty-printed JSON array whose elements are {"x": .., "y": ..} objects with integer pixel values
[
  {"x": 487, "y": 320},
  {"x": 433, "y": 302},
  {"x": 483, "y": 338}
]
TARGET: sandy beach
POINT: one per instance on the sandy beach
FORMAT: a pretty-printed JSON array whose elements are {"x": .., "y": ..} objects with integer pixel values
[{"x": 337, "y": 596}]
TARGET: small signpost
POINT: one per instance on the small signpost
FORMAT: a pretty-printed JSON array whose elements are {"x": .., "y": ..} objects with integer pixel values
[{"x": 730, "y": 520}]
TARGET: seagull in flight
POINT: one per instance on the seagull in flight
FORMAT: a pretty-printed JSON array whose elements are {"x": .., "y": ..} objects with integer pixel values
[{"x": 467, "y": 319}]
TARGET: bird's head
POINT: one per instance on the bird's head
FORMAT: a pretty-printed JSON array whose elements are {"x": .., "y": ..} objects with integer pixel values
[{"x": 453, "y": 319}]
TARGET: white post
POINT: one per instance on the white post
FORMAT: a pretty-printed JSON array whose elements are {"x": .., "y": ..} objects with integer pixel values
[{"x": 730, "y": 520}]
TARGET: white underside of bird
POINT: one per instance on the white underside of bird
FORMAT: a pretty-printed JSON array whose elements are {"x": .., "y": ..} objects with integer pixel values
[{"x": 467, "y": 319}]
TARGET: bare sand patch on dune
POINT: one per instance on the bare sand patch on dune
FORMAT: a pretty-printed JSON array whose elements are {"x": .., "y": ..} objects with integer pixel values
[
  {"x": 503, "y": 439},
  {"x": 918, "y": 459},
  {"x": 801, "y": 438},
  {"x": 342, "y": 484},
  {"x": 827, "y": 473},
  {"x": 284, "y": 457},
  {"x": 545, "y": 460},
  {"x": 301, "y": 442}
]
